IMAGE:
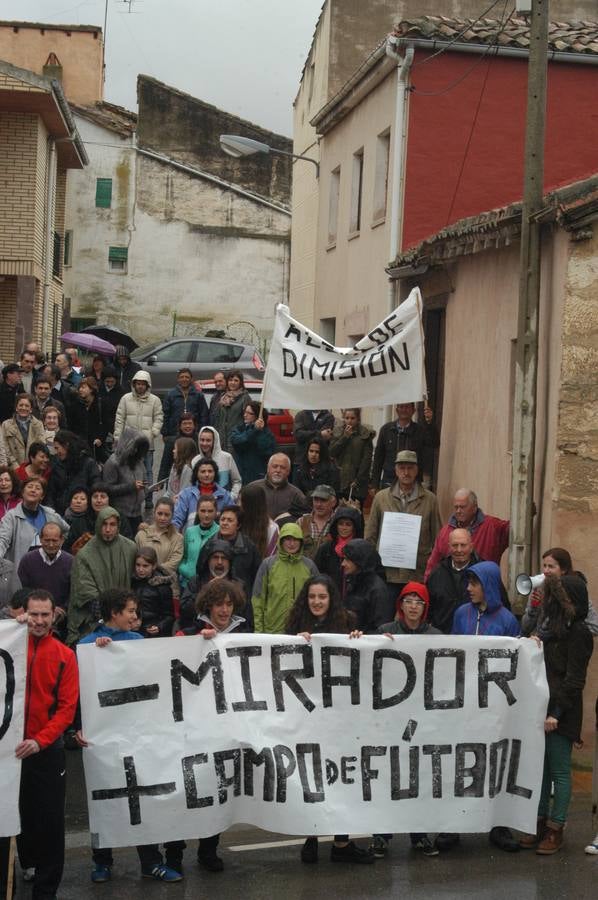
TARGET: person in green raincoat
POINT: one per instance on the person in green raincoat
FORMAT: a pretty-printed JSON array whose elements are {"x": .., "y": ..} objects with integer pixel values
[
  {"x": 278, "y": 581},
  {"x": 106, "y": 561}
]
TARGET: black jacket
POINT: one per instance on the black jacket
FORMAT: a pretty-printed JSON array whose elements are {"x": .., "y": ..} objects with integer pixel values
[
  {"x": 365, "y": 591},
  {"x": 566, "y": 659},
  {"x": 245, "y": 563},
  {"x": 420, "y": 437},
  {"x": 155, "y": 602},
  {"x": 448, "y": 590},
  {"x": 326, "y": 559},
  {"x": 192, "y": 588},
  {"x": 65, "y": 475},
  {"x": 307, "y": 477},
  {"x": 306, "y": 427},
  {"x": 90, "y": 423},
  {"x": 8, "y": 399},
  {"x": 110, "y": 401}
]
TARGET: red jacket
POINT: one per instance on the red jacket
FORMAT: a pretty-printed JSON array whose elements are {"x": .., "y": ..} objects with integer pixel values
[
  {"x": 52, "y": 690},
  {"x": 489, "y": 535}
]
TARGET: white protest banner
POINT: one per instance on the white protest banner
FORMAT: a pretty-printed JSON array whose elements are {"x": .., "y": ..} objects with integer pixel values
[
  {"x": 13, "y": 666},
  {"x": 386, "y": 366},
  {"x": 399, "y": 540},
  {"x": 189, "y": 736}
]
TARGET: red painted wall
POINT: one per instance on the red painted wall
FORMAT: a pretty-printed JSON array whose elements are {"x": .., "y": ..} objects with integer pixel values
[{"x": 456, "y": 168}]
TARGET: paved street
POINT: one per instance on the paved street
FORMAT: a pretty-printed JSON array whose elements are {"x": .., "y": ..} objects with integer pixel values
[{"x": 263, "y": 865}]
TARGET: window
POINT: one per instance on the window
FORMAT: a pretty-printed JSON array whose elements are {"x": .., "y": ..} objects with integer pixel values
[
  {"x": 104, "y": 192},
  {"x": 328, "y": 329},
  {"x": 175, "y": 353},
  {"x": 381, "y": 177},
  {"x": 68, "y": 248},
  {"x": 117, "y": 259},
  {"x": 335, "y": 182},
  {"x": 217, "y": 353},
  {"x": 356, "y": 185},
  {"x": 56, "y": 255}
]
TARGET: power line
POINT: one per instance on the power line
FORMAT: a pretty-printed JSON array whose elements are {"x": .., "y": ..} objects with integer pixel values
[{"x": 459, "y": 35}]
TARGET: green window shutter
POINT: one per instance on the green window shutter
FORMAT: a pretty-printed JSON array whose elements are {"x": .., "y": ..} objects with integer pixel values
[
  {"x": 118, "y": 253},
  {"x": 104, "y": 192}
]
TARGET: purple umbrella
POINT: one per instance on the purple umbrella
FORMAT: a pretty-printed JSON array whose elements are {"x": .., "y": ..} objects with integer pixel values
[{"x": 87, "y": 342}]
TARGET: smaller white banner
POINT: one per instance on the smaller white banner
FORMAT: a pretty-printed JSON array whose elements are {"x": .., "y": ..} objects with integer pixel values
[
  {"x": 386, "y": 366},
  {"x": 399, "y": 540},
  {"x": 13, "y": 664}
]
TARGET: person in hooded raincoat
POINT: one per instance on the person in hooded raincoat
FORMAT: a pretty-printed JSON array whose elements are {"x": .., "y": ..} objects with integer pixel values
[
  {"x": 365, "y": 591},
  {"x": 485, "y": 613},
  {"x": 346, "y": 525},
  {"x": 124, "y": 473},
  {"x": 278, "y": 581},
  {"x": 106, "y": 561},
  {"x": 229, "y": 476}
]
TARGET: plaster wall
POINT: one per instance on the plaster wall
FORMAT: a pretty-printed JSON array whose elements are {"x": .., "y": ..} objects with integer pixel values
[
  {"x": 204, "y": 253},
  {"x": 350, "y": 280},
  {"x": 88, "y": 281}
]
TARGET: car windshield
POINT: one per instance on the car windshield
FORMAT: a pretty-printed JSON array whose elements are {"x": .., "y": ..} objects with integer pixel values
[{"x": 145, "y": 351}]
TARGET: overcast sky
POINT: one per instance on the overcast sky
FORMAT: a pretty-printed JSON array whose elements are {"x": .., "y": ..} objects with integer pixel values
[{"x": 245, "y": 56}]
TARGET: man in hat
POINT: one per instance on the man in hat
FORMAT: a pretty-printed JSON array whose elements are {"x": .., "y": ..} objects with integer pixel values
[
  {"x": 405, "y": 495},
  {"x": 316, "y": 524},
  {"x": 125, "y": 367}
]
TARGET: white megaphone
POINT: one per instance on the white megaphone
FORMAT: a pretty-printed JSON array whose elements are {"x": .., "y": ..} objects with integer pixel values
[{"x": 525, "y": 583}]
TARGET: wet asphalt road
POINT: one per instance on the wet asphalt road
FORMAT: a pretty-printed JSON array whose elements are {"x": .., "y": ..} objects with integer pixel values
[{"x": 256, "y": 872}]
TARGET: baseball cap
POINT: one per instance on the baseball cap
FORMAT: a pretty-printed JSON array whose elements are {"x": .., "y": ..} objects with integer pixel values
[
  {"x": 406, "y": 456},
  {"x": 324, "y": 491}
]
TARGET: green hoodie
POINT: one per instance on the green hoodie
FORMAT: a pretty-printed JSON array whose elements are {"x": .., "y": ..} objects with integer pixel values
[
  {"x": 277, "y": 583},
  {"x": 97, "y": 567}
]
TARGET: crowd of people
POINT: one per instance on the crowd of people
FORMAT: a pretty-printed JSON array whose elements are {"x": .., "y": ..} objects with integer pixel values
[{"x": 230, "y": 536}]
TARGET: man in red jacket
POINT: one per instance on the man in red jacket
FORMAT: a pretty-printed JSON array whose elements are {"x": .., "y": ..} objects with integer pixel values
[
  {"x": 51, "y": 695},
  {"x": 489, "y": 535}
]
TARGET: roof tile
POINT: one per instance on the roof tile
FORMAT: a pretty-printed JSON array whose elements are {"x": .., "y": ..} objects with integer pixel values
[{"x": 569, "y": 37}]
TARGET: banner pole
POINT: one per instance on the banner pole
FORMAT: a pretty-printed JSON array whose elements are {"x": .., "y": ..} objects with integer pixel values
[{"x": 10, "y": 875}]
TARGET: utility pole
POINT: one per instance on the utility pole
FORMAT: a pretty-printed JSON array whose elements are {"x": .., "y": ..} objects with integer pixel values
[{"x": 524, "y": 409}]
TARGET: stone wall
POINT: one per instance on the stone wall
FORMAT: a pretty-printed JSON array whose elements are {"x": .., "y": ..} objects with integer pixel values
[{"x": 186, "y": 129}]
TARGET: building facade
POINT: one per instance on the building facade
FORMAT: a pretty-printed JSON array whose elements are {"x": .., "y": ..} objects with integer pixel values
[
  {"x": 39, "y": 144},
  {"x": 170, "y": 235}
]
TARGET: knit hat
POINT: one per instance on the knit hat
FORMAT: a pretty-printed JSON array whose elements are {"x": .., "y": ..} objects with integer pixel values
[
  {"x": 121, "y": 350},
  {"x": 414, "y": 587}
]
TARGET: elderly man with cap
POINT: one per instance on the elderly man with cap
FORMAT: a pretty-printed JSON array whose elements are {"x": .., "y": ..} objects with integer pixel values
[
  {"x": 405, "y": 495},
  {"x": 316, "y": 524}
]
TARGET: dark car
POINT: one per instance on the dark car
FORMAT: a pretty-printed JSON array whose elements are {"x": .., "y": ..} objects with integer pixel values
[
  {"x": 280, "y": 421},
  {"x": 204, "y": 356}
]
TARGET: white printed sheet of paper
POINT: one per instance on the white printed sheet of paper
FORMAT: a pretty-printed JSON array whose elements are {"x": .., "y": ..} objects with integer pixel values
[
  {"x": 13, "y": 666},
  {"x": 399, "y": 540},
  {"x": 189, "y": 736}
]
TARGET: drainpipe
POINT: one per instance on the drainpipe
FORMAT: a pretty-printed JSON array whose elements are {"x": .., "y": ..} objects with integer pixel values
[
  {"x": 49, "y": 236},
  {"x": 397, "y": 176}
]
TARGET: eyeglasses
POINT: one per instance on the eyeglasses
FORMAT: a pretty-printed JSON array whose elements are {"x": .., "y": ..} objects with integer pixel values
[{"x": 414, "y": 600}]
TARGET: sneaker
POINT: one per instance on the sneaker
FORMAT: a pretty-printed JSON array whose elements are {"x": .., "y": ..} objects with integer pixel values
[
  {"x": 425, "y": 846},
  {"x": 162, "y": 873},
  {"x": 210, "y": 861},
  {"x": 351, "y": 853},
  {"x": 309, "y": 851},
  {"x": 379, "y": 846},
  {"x": 592, "y": 848},
  {"x": 101, "y": 874},
  {"x": 28, "y": 874}
]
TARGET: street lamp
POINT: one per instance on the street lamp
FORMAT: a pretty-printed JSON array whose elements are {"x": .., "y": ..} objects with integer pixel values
[{"x": 238, "y": 146}]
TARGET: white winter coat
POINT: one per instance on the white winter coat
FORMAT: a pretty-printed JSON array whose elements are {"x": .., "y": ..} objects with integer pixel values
[{"x": 144, "y": 414}]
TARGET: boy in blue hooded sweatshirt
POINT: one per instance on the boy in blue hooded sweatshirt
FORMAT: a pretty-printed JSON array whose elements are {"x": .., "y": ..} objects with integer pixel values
[{"x": 485, "y": 613}]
